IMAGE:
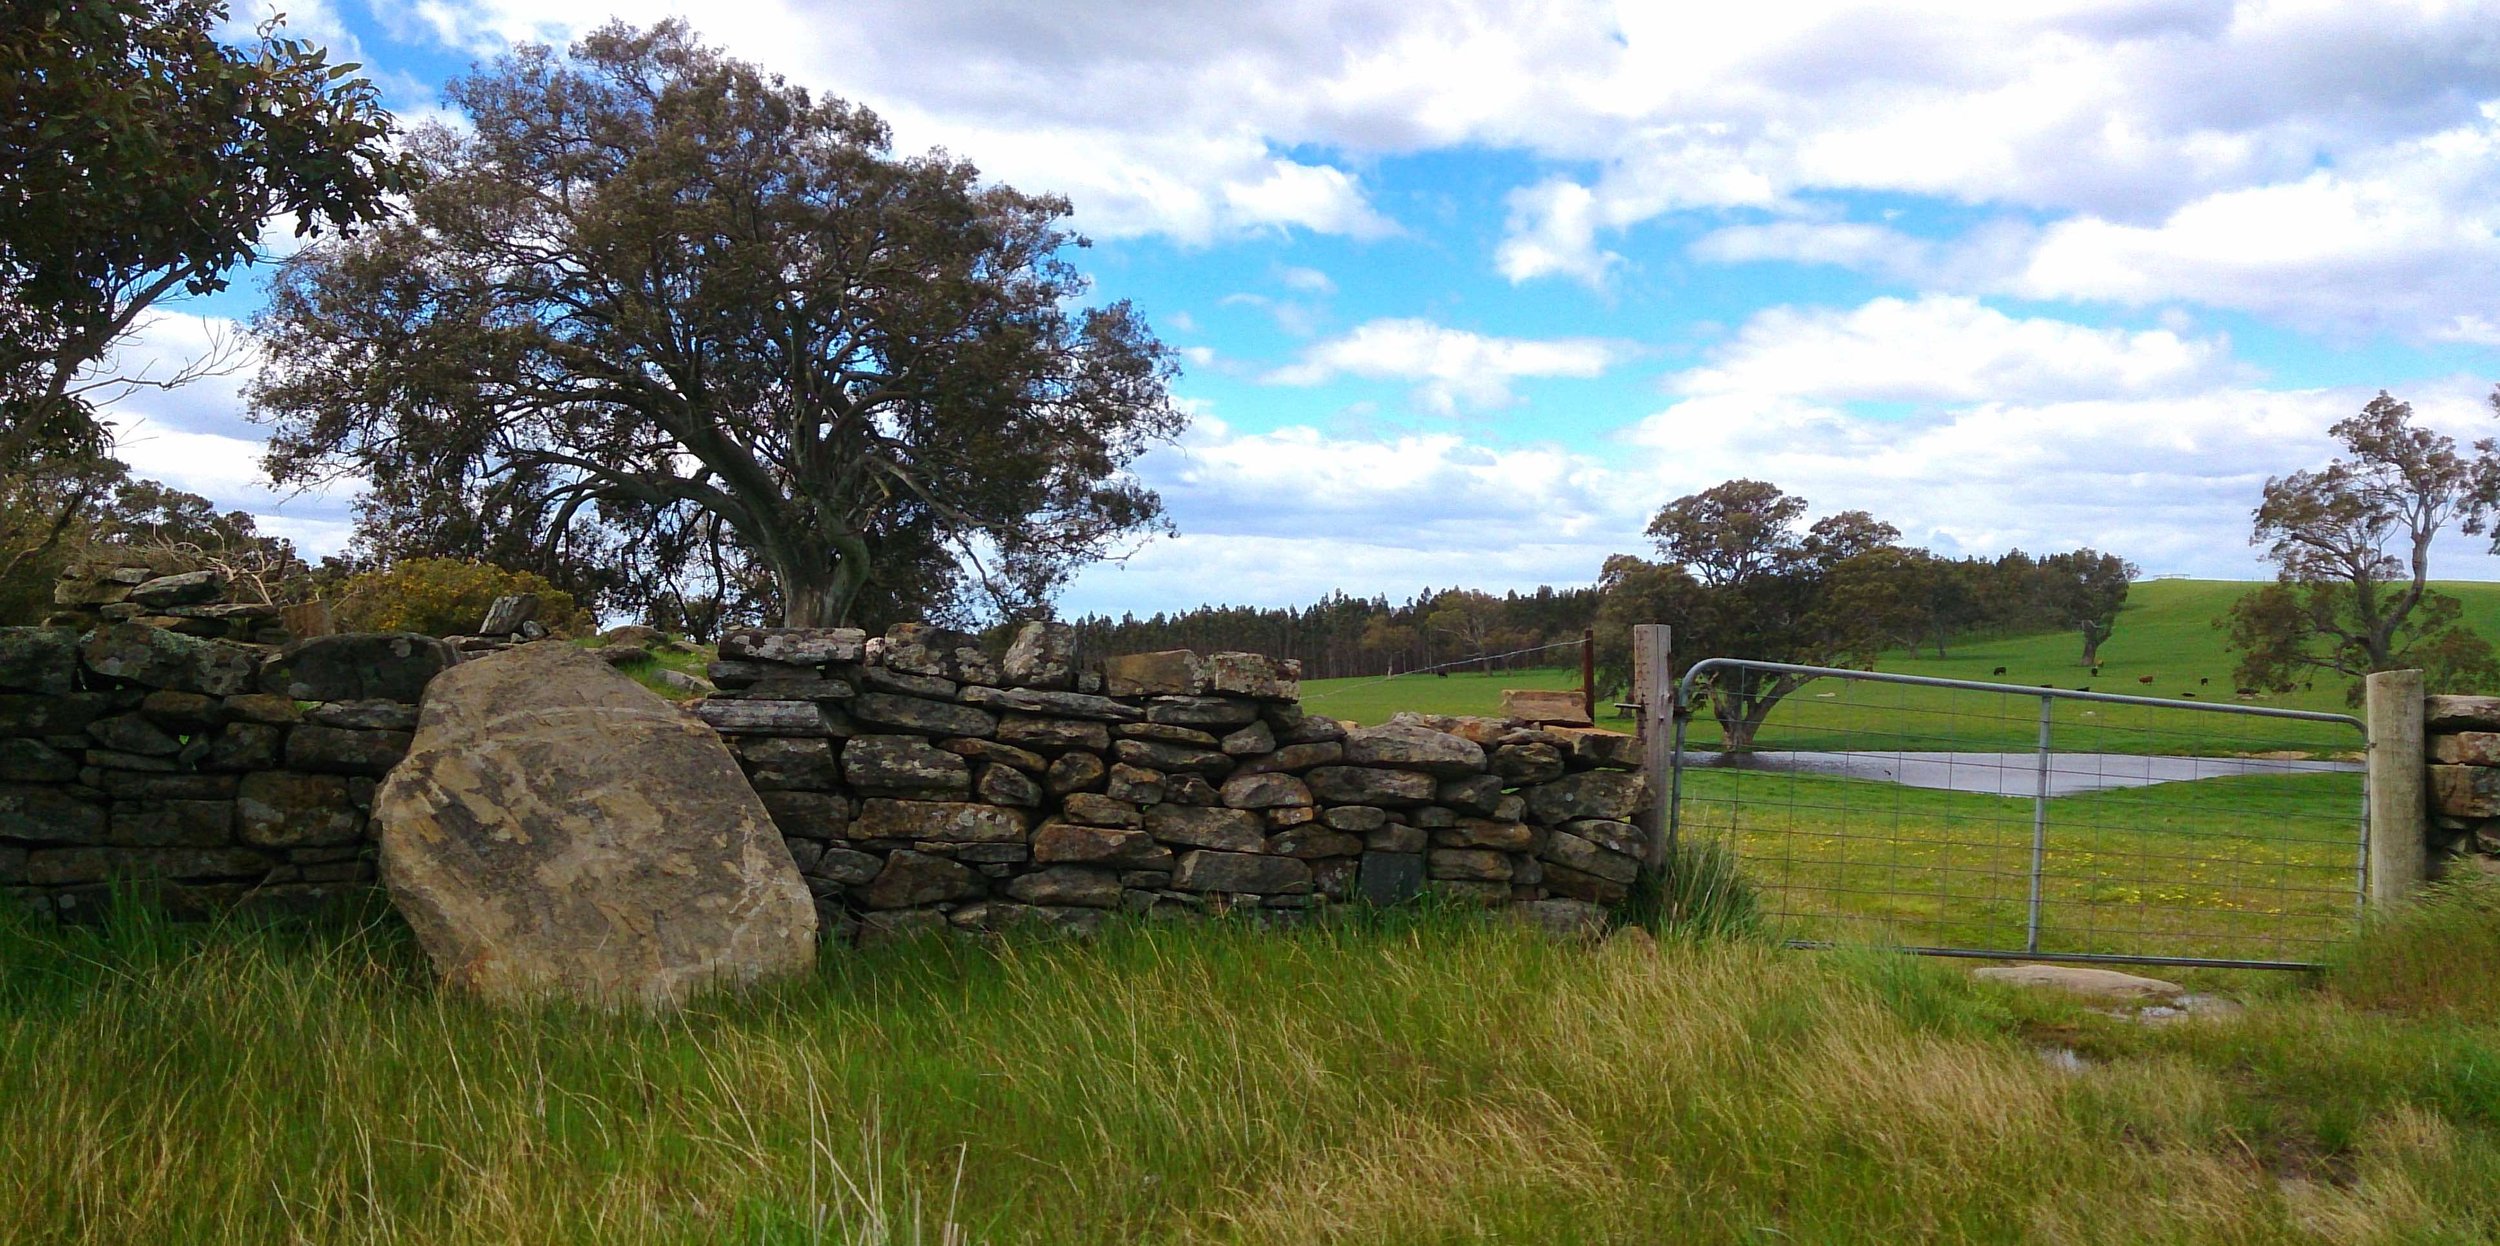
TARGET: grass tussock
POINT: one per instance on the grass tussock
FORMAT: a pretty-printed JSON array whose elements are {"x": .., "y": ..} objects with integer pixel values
[{"x": 1434, "y": 1079}]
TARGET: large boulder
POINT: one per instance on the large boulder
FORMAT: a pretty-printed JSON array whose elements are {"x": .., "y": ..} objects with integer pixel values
[{"x": 557, "y": 829}]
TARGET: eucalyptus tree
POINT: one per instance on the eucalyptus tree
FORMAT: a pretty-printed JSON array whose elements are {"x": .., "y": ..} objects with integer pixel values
[{"x": 657, "y": 303}]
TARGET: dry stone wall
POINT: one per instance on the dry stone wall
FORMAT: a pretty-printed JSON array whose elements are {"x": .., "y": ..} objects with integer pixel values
[
  {"x": 921, "y": 782},
  {"x": 923, "y": 785},
  {"x": 224, "y": 775},
  {"x": 2461, "y": 736}
]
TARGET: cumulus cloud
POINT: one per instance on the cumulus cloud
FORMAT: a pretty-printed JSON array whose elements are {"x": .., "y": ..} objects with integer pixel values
[
  {"x": 1946, "y": 348},
  {"x": 1454, "y": 369}
]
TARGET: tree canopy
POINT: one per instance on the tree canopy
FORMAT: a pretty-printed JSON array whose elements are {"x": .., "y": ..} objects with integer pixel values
[
  {"x": 661, "y": 311},
  {"x": 140, "y": 159},
  {"x": 2351, "y": 544}
]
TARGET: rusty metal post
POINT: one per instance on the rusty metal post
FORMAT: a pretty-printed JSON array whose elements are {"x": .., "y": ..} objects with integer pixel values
[{"x": 1588, "y": 672}]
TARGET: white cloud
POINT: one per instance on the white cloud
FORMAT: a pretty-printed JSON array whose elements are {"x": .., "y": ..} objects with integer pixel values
[
  {"x": 1949, "y": 349},
  {"x": 1306, "y": 280},
  {"x": 1455, "y": 369}
]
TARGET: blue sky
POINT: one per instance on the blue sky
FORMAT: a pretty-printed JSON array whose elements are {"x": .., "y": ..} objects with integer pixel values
[{"x": 1464, "y": 292}]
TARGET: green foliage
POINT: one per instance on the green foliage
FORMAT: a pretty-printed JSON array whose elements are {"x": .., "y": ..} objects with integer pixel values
[
  {"x": 446, "y": 597},
  {"x": 143, "y": 157},
  {"x": 1343, "y": 635},
  {"x": 1701, "y": 894},
  {"x": 2436, "y": 957}
]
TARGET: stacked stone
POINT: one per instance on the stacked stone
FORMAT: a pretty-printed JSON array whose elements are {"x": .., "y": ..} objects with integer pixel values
[
  {"x": 924, "y": 786},
  {"x": 219, "y": 774},
  {"x": 510, "y": 620},
  {"x": 158, "y": 588},
  {"x": 2462, "y": 738}
]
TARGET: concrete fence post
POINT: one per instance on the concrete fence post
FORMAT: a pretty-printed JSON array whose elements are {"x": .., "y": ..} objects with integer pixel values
[{"x": 2399, "y": 814}]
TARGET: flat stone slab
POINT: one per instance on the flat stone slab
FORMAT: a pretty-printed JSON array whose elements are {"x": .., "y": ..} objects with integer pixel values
[{"x": 2104, "y": 984}]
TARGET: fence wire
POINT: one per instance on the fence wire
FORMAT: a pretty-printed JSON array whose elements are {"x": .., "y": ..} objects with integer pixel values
[{"x": 1976, "y": 819}]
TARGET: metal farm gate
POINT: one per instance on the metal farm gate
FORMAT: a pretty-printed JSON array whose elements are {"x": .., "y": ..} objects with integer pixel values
[{"x": 1963, "y": 818}]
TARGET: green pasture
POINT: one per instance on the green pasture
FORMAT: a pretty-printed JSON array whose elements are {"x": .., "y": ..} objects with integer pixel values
[
  {"x": 2165, "y": 645},
  {"x": 2251, "y": 867}
]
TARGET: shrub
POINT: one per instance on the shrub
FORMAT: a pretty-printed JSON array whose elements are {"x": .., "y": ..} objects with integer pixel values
[{"x": 446, "y": 597}]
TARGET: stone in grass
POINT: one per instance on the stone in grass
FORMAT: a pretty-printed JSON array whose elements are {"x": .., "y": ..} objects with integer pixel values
[
  {"x": 557, "y": 829},
  {"x": 2104, "y": 984}
]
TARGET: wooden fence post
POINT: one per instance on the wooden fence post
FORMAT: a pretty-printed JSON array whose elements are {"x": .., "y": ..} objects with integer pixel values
[
  {"x": 1652, "y": 645},
  {"x": 2399, "y": 816}
]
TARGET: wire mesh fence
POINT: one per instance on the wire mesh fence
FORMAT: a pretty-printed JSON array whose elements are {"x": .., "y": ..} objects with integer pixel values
[{"x": 1980, "y": 819}]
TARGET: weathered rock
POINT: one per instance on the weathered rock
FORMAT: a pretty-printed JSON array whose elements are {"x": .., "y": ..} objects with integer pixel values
[
  {"x": 1189, "y": 789},
  {"x": 171, "y": 823},
  {"x": 1477, "y": 795},
  {"x": 365, "y": 715},
  {"x": 1265, "y": 791},
  {"x": 790, "y": 763},
  {"x": 1616, "y": 837},
  {"x": 809, "y": 815},
  {"x": 1313, "y": 842},
  {"x": 926, "y": 649},
  {"x": 1053, "y": 735},
  {"x": 1242, "y": 873},
  {"x": 1006, "y": 785},
  {"x": 1439, "y": 754},
  {"x": 938, "y": 821},
  {"x": 902, "y": 765},
  {"x": 1166, "y": 733},
  {"x": 975, "y": 749},
  {"x": 1538, "y": 705},
  {"x": 1173, "y": 672},
  {"x": 1311, "y": 729},
  {"x": 1565, "y": 881},
  {"x": 1170, "y": 758},
  {"x": 1055, "y": 704},
  {"x": 1362, "y": 785},
  {"x": 33, "y": 761},
  {"x": 904, "y": 683},
  {"x": 340, "y": 750},
  {"x": 356, "y": 666},
  {"x": 1487, "y": 833},
  {"x": 1257, "y": 739},
  {"x": 1387, "y": 878},
  {"x": 882, "y": 929},
  {"x": 1476, "y": 729},
  {"x": 1525, "y": 765},
  {"x": 38, "y": 659},
  {"x": 1610, "y": 794},
  {"x": 238, "y": 747},
  {"x": 1566, "y": 849},
  {"x": 1355, "y": 818},
  {"x": 779, "y": 687},
  {"x": 1043, "y": 655},
  {"x": 680, "y": 681},
  {"x": 1596, "y": 747},
  {"x": 281, "y": 809},
  {"x": 1072, "y": 885},
  {"x": 1202, "y": 712},
  {"x": 29, "y": 714},
  {"x": 1066, "y": 842},
  {"x": 912, "y": 879},
  {"x": 558, "y": 828},
  {"x": 186, "y": 712},
  {"x": 507, "y": 613},
  {"x": 1467, "y": 865},
  {"x": 781, "y": 718},
  {"x": 2466, "y": 748},
  {"x": 132, "y": 733},
  {"x": 183, "y": 589},
  {"x": 264, "y": 707},
  {"x": 1074, "y": 772},
  {"x": 1293, "y": 758},
  {"x": 925, "y": 717},
  {"x": 155, "y": 658},
  {"x": 2460, "y": 713},
  {"x": 1137, "y": 784},
  {"x": 793, "y": 646},
  {"x": 2079, "y": 980},
  {"x": 2465, "y": 791},
  {"x": 1094, "y": 810},
  {"x": 1433, "y": 816},
  {"x": 1232, "y": 830},
  {"x": 1247, "y": 675},
  {"x": 1284, "y": 816}
]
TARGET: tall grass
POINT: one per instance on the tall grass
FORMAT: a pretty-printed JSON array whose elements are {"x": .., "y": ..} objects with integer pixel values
[{"x": 1432, "y": 1079}]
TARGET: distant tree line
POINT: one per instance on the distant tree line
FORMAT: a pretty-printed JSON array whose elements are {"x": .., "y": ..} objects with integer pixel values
[{"x": 1343, "y": 635}]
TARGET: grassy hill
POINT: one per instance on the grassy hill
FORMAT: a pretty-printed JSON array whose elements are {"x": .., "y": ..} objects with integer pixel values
[{"x": 2166, "y": 632}]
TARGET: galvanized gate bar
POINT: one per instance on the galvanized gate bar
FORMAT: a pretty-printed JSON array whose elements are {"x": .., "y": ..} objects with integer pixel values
[{"x": 2288, "y": 868}]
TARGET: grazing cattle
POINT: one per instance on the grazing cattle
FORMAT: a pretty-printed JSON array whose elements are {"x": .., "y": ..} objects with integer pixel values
[
  {"x": 2144, "y": 679},
  {"x": 2096, "y": 672},
  {"x": 1998, "y": 671},
  {"x": 2201, "y": 681},
  {"x": 2243, "y": 692}
]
